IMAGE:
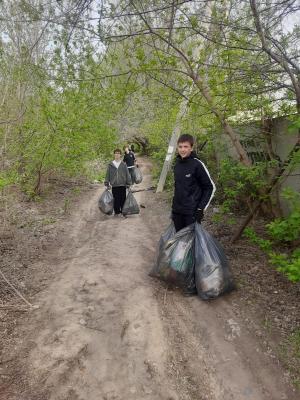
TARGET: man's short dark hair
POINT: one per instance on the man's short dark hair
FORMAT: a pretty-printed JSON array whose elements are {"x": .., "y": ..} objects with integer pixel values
[
  {"x": 186, "y": 138},
  {"x": 117, "y": 151}
]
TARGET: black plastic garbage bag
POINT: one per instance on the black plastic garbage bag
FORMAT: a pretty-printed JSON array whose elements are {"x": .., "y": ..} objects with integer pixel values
[
  {"x": 212, "y": 273},
  {"x": 106, "y": 202},
  {"x": 138, "y": 177},
  {"x": 167, "y": 235},
  {"x": 130, "y": 206},
  {"x": 175, "y": 261}
]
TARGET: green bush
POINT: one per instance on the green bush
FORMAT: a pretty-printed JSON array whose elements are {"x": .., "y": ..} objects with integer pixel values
[
  {"x": 288, "y": 265},
  {"x": 287, "y": 229},
  {"x": 7, "y": 178},
  {"x": 238, "y": 184},
  {"x": 282, "y": 232}
]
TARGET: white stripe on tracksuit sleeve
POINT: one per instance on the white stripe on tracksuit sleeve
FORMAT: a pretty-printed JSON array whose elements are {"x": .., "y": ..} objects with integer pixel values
[{"x": 212, "y": 182}]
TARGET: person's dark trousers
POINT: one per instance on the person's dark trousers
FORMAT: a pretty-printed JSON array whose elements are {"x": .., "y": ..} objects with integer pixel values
[
  {"x": 119, "y": 193},
  {"x": 131, "y": 171},
  {"x": 182, "y": 220}
]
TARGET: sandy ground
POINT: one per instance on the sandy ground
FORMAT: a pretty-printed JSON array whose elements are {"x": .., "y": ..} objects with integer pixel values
[{"x": 105, "y": 330}]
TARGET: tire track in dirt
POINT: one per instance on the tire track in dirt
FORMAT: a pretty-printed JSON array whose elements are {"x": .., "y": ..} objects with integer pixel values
[{"x": 213, "y": 341}]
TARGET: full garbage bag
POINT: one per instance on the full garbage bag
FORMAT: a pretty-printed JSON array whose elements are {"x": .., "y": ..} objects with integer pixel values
[
  {"x": 175, "y": 261},
  {"x": 130, "y": 206},
  {"x": 106, "y": 202},
  {"x": 167, "y": 235},
  {"x": 137, "y": 175},
  {"x": 212, "y": 273}
]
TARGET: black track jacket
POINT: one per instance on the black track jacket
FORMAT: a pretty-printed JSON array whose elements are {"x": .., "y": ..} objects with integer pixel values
[
  {"x": 129, "y": 159},
  {"x": 194, "y": 187}
]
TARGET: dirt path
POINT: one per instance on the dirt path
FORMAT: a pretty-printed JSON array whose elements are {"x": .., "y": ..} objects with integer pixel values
[{"x": 106, "y": 331}]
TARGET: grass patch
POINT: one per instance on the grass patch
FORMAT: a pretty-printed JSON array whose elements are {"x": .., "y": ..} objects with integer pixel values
[{"x": 289, "y": 353}]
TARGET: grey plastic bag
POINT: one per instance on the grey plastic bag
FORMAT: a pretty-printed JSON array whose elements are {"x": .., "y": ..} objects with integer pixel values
[
  {"x": 106, "y": 202},
  {"x": 138, "y": 177},
  {"x": 167, "y": 235},
  {"x": 130, "y": 206},
  {"x": 175, "y": 261},
  {"x": 212, "y": 273}
]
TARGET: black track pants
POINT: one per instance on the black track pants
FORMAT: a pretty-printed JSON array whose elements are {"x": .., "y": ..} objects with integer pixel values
[
  {"x": 119, "y": 193},
  {"x": 182, "y": 220}
]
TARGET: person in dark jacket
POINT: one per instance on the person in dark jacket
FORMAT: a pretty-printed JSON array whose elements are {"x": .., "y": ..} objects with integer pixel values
[
  {"x": 130, "y": 160},
  {"x": 194, "y": 187},
  {"x": 118, "y": 177}
]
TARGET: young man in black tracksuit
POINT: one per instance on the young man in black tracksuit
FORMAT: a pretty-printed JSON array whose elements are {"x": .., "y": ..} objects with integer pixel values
[
  {"x": 193, "y": 190},
  {"x": 194, "y": 187}
]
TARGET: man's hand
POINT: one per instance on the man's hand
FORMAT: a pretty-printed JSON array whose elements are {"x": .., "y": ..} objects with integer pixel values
[
  {"x": 106, "y": 184},
  {"x": 199, "y": 215}
]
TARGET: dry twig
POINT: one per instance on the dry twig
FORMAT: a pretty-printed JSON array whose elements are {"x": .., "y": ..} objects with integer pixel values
[{"x": 16, "y": 291}]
